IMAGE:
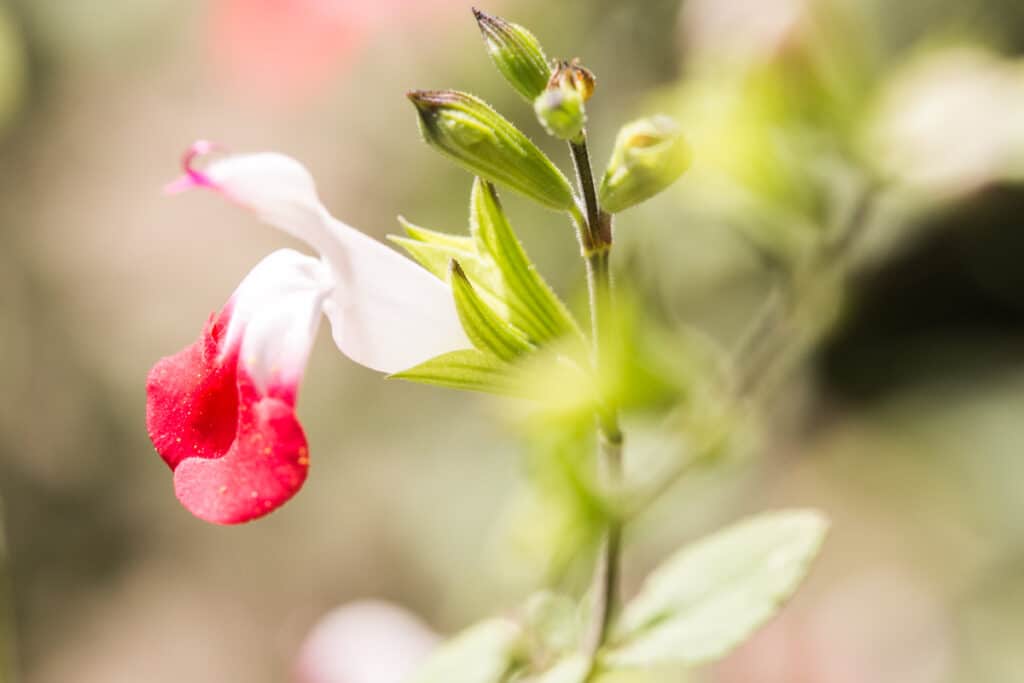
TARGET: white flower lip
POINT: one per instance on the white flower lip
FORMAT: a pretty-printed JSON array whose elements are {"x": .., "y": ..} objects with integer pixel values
[{"x": 386, "y": 312}]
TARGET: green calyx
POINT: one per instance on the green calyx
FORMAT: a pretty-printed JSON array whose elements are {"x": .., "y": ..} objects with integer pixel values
[
  {"x": 517, "y": 54},
  {"x": 467, "y": 130},
  {"x": 650, "y": 154},
  {"x": 560, "y": 110}
]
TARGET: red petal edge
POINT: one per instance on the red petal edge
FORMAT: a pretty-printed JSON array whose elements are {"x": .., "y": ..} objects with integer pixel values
[{"x": 237, "y": 453}]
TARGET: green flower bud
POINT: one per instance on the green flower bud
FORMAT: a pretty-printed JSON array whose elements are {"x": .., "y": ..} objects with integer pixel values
[
  {"x": 561, "y": 112},
  {"x": 464, "y": 128},
  {"x": 650, "y": 154},
  {"x": 517, "y": 54}
]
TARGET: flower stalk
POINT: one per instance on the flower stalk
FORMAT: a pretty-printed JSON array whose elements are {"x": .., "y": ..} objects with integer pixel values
[{"x": 596, "y": 241}]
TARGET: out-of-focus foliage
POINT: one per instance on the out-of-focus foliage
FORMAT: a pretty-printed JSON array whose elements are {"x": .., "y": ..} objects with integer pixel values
[{"x": 904, "y": 426}]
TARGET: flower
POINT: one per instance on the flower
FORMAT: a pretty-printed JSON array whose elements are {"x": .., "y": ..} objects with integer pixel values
[{"x": 221, "y": 412}]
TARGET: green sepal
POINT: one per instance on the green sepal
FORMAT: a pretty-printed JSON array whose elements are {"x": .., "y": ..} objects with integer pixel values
[
  {"x": 468, "y": 370},
  {"x": 533, "y": 305},
  {"x": 434, "y": 251},
  {"x": 650, "y": 154},
  {"x": 710, "y": 596},
  {"x": 436, "y": 237},
  {"x": 561, "y": 111},
  {"x": 486, "y": 652},
  {"x": 469, "y": 131},
  {"x": 516, "y": 52},
  {"x": 483, "y": 326}
]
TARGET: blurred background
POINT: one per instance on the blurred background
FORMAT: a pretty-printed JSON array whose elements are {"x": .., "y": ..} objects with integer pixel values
[{"x": 904, "y": 420}]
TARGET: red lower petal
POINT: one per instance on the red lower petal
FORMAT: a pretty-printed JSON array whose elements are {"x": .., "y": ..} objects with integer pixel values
[
  {"x": 237, "y": 454},
  {"x": 192, "y": 398},
  {"x": 264, "y": 467}
]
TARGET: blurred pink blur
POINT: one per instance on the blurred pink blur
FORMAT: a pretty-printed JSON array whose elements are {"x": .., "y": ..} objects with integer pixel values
[
  {"x": 287, "y": 50},
  {"x": 364, "y": 642}
]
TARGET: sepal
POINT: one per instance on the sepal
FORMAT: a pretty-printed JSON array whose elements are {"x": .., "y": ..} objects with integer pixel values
[
  {"x": 560, "y": 110},
  {"x": 482, "y": 325},
  {"x": 469, "y": 370},
  {"x": 470, "y": 132},
  {"x": 650, "y": 154},
  {"x": 533, "y": 305},
  {"x": 516, "y": 52}
]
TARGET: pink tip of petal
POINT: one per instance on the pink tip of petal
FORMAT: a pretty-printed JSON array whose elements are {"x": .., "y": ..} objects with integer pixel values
[
  {"x": 179, "y": 185},
  {"x": 193, "y": 177}
]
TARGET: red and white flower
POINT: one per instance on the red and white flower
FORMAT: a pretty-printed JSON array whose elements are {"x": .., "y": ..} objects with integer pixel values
[{"x": 221, "y": 412}]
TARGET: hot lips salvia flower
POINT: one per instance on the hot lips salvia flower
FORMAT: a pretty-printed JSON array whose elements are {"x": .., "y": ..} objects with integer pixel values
[{"x": 221, "y": 412}]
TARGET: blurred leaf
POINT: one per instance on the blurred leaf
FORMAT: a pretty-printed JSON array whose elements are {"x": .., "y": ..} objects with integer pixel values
[
  {"x": 552, "y": 526},
  {"x": 553, "y": 619},
  {"x": 484, "y": 653},
  {"x": 483, "y": 326},
  {"x": 709, "y": 597},
  {"x": 469, "y": 370},
  {"x": 533, "y": 305},
  {"x": 573, "y": 669}
]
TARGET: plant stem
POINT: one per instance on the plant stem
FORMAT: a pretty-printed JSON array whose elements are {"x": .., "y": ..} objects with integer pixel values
[{"x": 595, "y": 242}]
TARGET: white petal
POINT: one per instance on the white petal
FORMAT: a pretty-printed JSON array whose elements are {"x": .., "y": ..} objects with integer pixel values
[
  {"x": 275, "y": 313},
  {"x": 386, "y": 312}
]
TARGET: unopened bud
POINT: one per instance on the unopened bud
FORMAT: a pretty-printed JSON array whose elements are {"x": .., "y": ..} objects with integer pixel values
[
  {"x": 561, "y": 112},
  {"x": 650, "y": 154},
  {"x": 466, "y": 129},
  {"x": 574, "y": 75},
  {"x": 517, "y": 54}
]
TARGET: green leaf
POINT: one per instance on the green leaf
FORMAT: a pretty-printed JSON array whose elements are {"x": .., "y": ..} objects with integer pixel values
[
  {"x": 471, "y": 133},
  {"x": 469, "y": 370},
  {"x": 553, "y": 620},
  {"x": 533, "y": 305},
  {"x": 483, "y": 653},
  {"x": 710, "y": 596},
  {"x": 483, "y": 326},
  {"x": 573, "y": 669}
]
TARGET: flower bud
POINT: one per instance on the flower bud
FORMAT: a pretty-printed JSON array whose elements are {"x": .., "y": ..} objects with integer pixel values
[
  {"x": 465, "y": 129},
  {"x": 560, "y": 110},
  {"x": 517, "y": 54},
  {"x": 572, "y": 74},
  {"x": 650, "y": 154}
]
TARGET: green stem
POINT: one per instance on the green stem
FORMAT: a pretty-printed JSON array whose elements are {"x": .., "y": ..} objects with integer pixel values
[{"x": 595, "y": 242}]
